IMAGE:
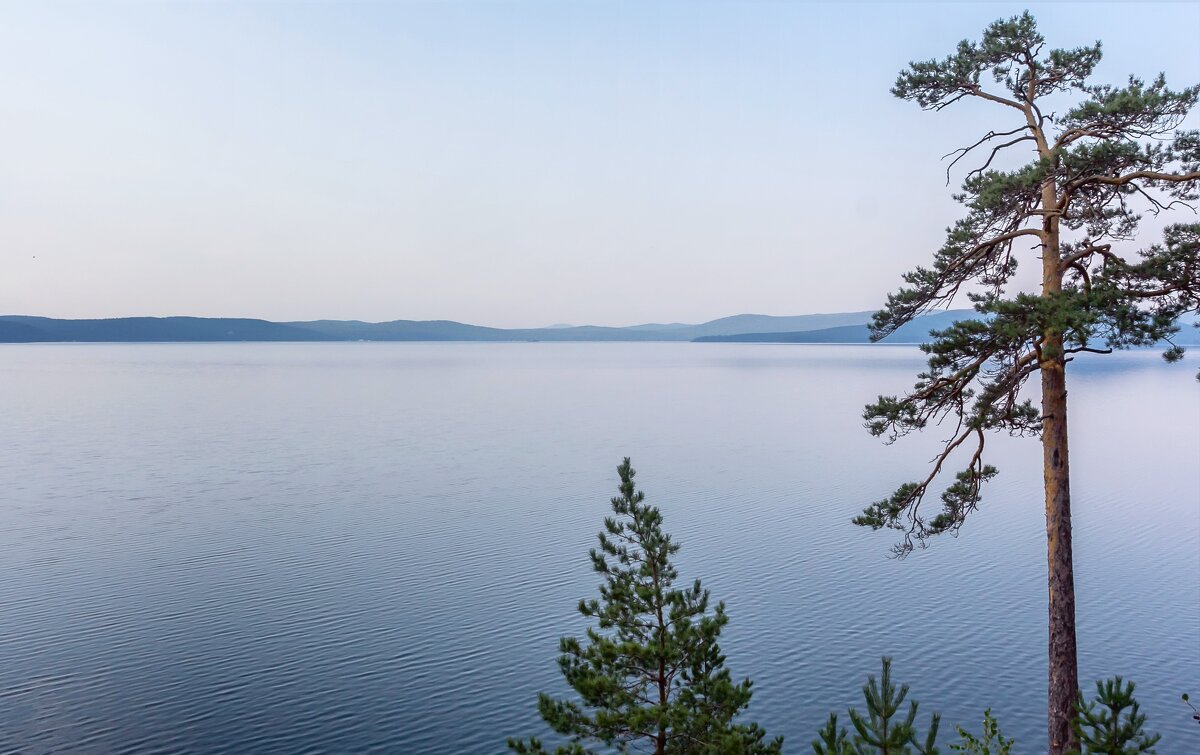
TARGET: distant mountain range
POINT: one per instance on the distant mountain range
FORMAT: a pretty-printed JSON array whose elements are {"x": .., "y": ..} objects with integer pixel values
[
  {"x": 845, "y": 327},
  {"x": 916, "y": 331}
]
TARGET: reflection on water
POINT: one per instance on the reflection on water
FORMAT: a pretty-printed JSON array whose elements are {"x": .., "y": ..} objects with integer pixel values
[{"x": 352, "y": 546}]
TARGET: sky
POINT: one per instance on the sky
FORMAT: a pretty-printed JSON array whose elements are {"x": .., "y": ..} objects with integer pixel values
[{"x": 512, "y": 164}]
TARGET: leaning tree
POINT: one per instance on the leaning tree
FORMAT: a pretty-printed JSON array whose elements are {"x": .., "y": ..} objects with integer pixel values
[{"x": 1095, "y": 166}]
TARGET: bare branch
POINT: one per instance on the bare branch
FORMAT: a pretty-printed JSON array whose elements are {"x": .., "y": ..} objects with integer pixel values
[
  {"x": 976, "y": 91},
  {"x": 1086, "y": 252},
  {"x": 1148, "y": 175},
  {"x": 962, "y": 152}
]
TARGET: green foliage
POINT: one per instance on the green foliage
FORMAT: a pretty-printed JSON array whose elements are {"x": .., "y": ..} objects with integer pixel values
[
  {"x": 831, "y": 740},
  {"x": 992, "y": 742},
  {"x": 879, "y": 731},
  {"x": 1111, "y": 724},
  {"x": 1001, "y": 51},
  {"x": 1091, "y": 173},
  {"x": 650, "y": 675}
]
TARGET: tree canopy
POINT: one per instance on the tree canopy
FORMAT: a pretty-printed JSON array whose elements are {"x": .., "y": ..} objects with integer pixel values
[{"x": 1095, "y": 169}]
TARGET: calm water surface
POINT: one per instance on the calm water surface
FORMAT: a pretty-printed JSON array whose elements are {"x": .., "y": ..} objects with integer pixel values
[{"x": 351, "y": 547}]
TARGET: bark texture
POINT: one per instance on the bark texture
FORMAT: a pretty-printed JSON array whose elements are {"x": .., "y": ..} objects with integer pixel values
[{"x": 1063, "y": 667}]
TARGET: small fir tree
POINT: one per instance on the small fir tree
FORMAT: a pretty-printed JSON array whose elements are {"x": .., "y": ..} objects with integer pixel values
[
  {"x": 879, "y": 732},
  {"x": 651, "y": 675},
  {"x": 832, "y": 740},
  {"x": 991, "y": 743},
  {"x": 1111, "y": 724}
]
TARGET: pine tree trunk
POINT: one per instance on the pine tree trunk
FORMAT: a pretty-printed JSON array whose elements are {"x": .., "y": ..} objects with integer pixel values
[
  {"x": 1063, "y": 673},
  {"x": 1063, "y": 666}
]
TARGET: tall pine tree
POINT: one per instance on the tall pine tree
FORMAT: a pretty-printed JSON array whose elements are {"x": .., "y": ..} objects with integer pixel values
[
  {"x": 1073, "y": 209},
  {"x": 650, "y": 675}
]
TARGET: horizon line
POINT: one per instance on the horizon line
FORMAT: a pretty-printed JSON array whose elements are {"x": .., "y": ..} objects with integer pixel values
[{"x": 552, "y": 326}]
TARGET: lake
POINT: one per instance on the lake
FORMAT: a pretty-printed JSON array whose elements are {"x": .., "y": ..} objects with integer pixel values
[{"x": 369, "y": 546}]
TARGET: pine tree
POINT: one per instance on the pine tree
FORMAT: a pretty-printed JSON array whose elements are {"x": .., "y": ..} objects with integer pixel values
[
  {"x": 1094, "y": 168},
  {"x": 1111, "y": 724},
  {"x": 651, "y": 674},
  {"x": 832, "y": 740},
  {"x": 991, "y": 742},
  {"x": 879, "y": 732}
]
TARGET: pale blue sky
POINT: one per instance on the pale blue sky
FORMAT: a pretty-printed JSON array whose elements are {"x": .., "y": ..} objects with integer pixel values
[{"x": 509, "y": 164}]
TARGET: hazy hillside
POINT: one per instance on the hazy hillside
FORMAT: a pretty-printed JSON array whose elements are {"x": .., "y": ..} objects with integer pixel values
[
  {"x": 848, "y": 327},
  {"x": 13, "y": 331},
  {"x": 916, "y": 331},
  {"x": 401, "y": 330},
  {"x": 843, "y": 334},
  {"x": 28, "y": 329},
  {"x": 773, "y": 324}
]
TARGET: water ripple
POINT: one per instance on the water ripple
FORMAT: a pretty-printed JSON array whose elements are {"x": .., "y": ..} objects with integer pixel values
[{"x": 316, "y": 548}]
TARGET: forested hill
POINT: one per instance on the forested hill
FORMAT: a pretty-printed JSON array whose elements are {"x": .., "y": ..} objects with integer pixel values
[
  {"x": 23, "y": 329},
  {"x": 845, "y": 327},
  {"x": 916, "y": 331},
  {"x": 17, "y": 329}
]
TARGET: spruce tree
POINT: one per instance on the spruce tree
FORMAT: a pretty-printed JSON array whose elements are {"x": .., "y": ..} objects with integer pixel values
[
  {"x": 1112, "y": 723},
  {"x": 650, "y": 676},
  {"x": 879, "y": 732},
  {"x": 991, "y": 742},
  {"x": 1094, "y": 167},
  {"x": 832, "y": 740}
]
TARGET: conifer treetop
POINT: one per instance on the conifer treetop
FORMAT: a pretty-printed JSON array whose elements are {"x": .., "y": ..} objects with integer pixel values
[{"x": 650, "y": 674}]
